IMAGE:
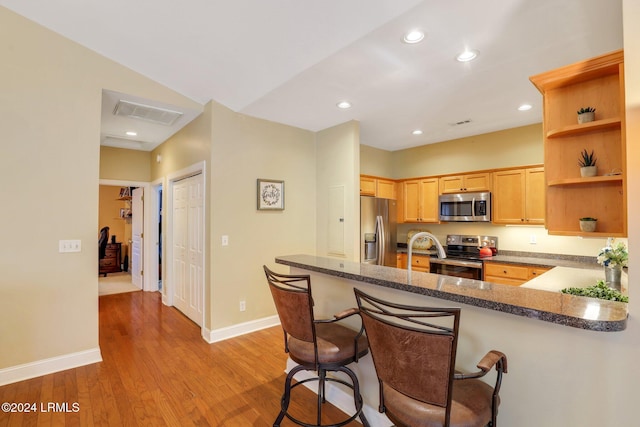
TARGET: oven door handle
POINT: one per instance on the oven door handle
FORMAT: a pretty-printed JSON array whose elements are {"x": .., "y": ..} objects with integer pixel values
[
  {"x": 473, "y": 208},
  {"x": 457, "y": 262}
]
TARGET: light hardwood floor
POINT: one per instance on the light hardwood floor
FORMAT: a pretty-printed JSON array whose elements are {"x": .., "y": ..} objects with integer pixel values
[{"x": 158, "y": 371}]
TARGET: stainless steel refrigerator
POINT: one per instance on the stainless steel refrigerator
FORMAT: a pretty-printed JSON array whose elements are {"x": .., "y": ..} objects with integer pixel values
[{"x": 378, "y": 242}]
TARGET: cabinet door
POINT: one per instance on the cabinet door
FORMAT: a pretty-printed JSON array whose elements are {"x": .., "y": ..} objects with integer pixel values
[
  {"x": 367, "y": 186},
  {"x": 429, "y": 200},
  {"x": 465, "y": 183},
  {"x": 402, "y": 261},
  {"x": 451, "y": 184},
  {"x": 535, "y": 196},
  {"x": 411, "y": 191},
  {"x": 477, "y": 182},
  {"x": 385, "y": 189},
  {"x": 509, "y": 197}
]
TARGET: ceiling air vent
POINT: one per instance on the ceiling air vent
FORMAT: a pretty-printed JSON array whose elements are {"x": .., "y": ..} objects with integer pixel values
[
  {"x": 461, "y": 122},
  {"x": 146, "y": 113}
]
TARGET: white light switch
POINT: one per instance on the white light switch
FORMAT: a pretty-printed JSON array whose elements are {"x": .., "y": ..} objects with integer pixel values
[
  {"x": 225, "y": 240},
  {"x": 69, "y": 246}
]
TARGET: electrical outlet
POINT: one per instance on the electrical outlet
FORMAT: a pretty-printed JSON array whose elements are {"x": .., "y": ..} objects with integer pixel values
[
  {"x": 243, "y": 305},
  {"x": 225, "y": 240},
  {"x": 532, "y": 239}
]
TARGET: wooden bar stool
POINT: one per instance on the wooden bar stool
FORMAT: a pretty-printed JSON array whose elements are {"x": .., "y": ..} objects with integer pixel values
[{"x": 315, "y": 345}]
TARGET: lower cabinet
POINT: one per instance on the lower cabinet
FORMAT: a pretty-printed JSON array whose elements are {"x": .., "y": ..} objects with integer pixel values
[
  {"x": 418, "y": 262},
  {"x": 511, "y": 274}
]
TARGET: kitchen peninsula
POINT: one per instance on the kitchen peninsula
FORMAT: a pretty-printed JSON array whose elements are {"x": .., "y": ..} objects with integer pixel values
[
  {"x": 560, "y": 347},
  {"x": 554, "y": 307}
]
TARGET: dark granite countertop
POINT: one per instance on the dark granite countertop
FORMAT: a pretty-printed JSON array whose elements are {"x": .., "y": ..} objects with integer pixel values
[{"x": 555, "y": 307}]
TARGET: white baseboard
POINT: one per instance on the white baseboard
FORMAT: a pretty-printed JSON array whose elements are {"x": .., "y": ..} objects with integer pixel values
[
  {"x": 48, "y": 366},
  {"x": 221, "y": 334}
]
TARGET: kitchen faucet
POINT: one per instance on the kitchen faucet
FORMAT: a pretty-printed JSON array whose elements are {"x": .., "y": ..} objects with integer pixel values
[{"x": 440, "y": 249}]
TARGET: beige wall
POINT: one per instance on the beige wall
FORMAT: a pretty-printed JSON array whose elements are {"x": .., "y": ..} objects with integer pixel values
[
  {"x": 377, "y": 162},
  {"x": 50, "y": 103},
  {"x": 127, "y": 165},
  {"x": 512, "y": 147},
  {"x": 244, "y": 149},
  {"x": 338, "y": 162}
]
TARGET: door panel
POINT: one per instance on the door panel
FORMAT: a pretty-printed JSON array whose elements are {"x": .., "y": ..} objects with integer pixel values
[
  {"x": 188, "y": 247},
  {"x": 137, "y": 215}
]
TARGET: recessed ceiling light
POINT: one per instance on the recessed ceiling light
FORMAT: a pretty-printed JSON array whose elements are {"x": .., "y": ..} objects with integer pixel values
[
  {"x": 417, "y": 132},
  {"x": 467, "y": 55},
  {"x": 131, "y": 133},
  {"x": 344, "y": 105},
  {"x": 413, "y": 36},
  {"x": 524, "y": 107}
]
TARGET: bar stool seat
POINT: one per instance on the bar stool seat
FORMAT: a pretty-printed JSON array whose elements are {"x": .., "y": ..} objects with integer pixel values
[{"x": 315, "y": 345}]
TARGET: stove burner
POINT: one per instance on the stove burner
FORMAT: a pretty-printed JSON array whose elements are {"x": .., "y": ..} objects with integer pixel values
[{"x": 468, "y": 246}]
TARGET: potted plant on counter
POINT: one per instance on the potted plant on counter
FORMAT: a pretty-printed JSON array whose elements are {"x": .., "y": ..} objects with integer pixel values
[
  {"x": 586, "y": 114},
  {"x": 613, "y": 258},
  {"x": 587, "y": 163},
  {"x": 588, "y": 224}
]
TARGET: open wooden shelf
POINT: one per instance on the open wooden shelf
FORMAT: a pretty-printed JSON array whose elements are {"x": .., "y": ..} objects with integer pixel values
[
  {"x": 585, "y": 181},
  {"x": 599, "y": 83},
  {"x": 597, "y": 125}
]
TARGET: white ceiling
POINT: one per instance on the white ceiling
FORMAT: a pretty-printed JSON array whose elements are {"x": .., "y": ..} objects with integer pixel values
[{"x": 291, "y": 61}]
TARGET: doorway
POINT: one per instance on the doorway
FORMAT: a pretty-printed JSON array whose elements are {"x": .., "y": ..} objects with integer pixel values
[{"x": 146, "y": 266}]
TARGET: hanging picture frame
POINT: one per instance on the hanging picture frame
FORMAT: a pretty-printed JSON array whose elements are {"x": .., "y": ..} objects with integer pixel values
[{"x": 270, "y": 194}]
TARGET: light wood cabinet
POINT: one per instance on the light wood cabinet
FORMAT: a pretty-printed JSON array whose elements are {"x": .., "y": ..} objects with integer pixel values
[
  {"x": 419, "y": 263},
  {"x": 420, "y": 200},
  {"x": 465, "y": 183},
  {"x": 519, "y": 196},
  {"x": 599, "y": 83},
  {"x": 511, "y": 274},
  {"x": 377, "y": 187},
  {"x": 402, "y": 261}
]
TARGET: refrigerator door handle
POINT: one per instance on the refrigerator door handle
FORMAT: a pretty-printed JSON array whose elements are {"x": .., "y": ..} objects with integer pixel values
[{"x": 380, "y": 231}]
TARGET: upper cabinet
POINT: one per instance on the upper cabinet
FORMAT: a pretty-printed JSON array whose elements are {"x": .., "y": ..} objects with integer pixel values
[
  {"x": 419, "y": 200},
  {"x": 465, "y": 183},
  {"x": 598, "y": 83},
  {"x": 518, "y": 196},
  {"x": 377, "y": 187}
]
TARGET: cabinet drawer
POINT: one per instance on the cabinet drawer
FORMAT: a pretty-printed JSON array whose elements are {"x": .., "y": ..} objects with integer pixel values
[
  {"x": 108, "y": 262},
  {"x": 503, "y": 280},
  {"x": 507, "y": 271},
  {"x": 537, "y": 271},
  {"x": 420, "y": 261}
]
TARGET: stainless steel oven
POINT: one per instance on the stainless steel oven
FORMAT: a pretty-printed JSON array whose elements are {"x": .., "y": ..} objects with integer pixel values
[
  {"x": 456, "y": 268},
  {"x": 463, "y": 256}
]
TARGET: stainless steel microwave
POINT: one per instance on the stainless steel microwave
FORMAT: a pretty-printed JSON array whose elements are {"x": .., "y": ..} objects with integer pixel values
[{"x": 467, "y": 207}]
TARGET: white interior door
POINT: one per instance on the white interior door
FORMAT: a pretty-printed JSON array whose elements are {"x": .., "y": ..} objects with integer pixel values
[
  {"x": 188, "y": 247},
  {"x": 137, "y": 223}
]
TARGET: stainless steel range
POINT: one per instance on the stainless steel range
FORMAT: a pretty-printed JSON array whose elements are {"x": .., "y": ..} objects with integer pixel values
[{"x": 463, "y": 256}]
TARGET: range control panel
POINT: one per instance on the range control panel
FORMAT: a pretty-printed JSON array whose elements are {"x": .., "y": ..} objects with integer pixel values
[{"x": 468, "y": 240}]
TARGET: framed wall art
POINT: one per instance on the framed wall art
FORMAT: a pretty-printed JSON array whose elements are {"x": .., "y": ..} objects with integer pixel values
[{"x": 270, "y": 195}]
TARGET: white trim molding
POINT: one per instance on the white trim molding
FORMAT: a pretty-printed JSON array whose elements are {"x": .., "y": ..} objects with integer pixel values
[
  {"x": 239, "y": 329},
  {"x": 30, "y": 370}
]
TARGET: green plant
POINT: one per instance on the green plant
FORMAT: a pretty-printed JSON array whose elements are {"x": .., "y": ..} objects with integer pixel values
[
  {"x": 586, "y": 159},
  {"x": 586, "y": 110},
  {"x": 600, "y": 290},
  {"x": 588, "y": 218},
  {"x": 613, "y": 255}
]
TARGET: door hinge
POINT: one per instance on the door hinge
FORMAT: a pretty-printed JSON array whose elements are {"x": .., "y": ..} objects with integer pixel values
[
  {"x": 142, "y": 235},
  {"x": 142, "y": 272}
]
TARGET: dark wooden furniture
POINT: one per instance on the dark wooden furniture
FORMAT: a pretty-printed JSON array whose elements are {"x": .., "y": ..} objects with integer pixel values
[{"x": 112, "y": 259}]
